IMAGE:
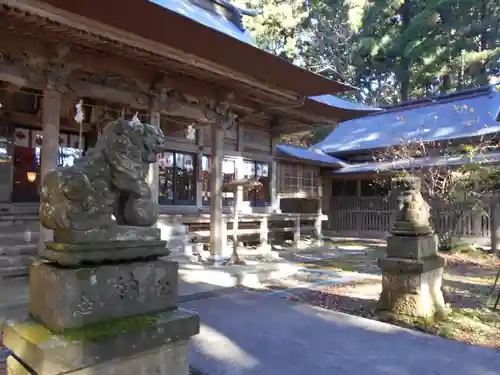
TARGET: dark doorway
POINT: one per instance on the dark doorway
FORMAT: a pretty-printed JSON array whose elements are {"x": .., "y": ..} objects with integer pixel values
[{"x": 26, "y": 175}]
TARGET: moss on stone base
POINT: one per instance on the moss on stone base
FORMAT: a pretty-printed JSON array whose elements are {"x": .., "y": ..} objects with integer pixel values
[
  {"x": 37, "y": 333},
  {"x": 109, "y": 328}
]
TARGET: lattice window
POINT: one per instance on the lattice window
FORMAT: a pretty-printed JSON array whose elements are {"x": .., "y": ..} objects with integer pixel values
[
  {"x": 295, "y": 179},
  {"x": 309, "y": 181}
]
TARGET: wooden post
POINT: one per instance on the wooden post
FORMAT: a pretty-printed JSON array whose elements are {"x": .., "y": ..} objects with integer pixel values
[
  {"x": 296, "y": 233},
  {"x": 318, "y": 225},
  {"x": 265, "y": 246},
  {"x": 199, "y": 169},
  {"x": 236, "y": 217},
  {"x": 326, "y": 180},
  {"x": 237, "y": 203},
  {"x": 275, "y": 201},
  {"x": 51, "y": 113},
  {"x": 495, "y": 226},
  {"x": 217, "y": 241},
  {"x": 154, "y": 170}
]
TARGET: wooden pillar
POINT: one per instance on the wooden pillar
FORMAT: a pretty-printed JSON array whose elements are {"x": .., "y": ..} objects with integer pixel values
[
  {"x": 275, "y": 201},
  {"x": 51, "y": 113},
  {"x": 154, "y": 170},
  {"x": 296, "y": 233},
  {"x": 327, "y": 195},
  {"x": 238, "y": 200},
  {"x": 218, "y": 241},
  {"x": 199, "y": 169},
  {"x": 318, "y": 225},
  {"x": 265, "y": 246},
  {"x": 7, "y": 169},
  {"x": 495, "y": 226}
]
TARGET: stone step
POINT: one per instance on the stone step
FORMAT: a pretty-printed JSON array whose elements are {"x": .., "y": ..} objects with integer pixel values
[
  {"x": 18, "y": 249},
  {"x": 7, "y": 261},
  {"x": 19, "y": 238},
  {"x": 18, "y": 232},
  {"x": 17, "y": 218},
  {"x": 19, "y": 227},
  {"x": 12, "y": 272}
]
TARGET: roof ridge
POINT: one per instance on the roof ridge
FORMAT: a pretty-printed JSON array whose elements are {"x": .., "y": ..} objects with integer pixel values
[
  {"x": 438, "y": 99},
  {"x": 230, "y": 12}
]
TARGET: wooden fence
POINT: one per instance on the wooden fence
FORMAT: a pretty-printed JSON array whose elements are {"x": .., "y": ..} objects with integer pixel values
[{"x": 364, "y": 217}]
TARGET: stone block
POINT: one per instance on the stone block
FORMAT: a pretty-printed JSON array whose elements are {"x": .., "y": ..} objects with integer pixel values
[
  {"x": 418, "y": 295},
  {"x": 412, "y": 287},
  {"x": 155, "y": 344},
  {"x": 64, "y": 298},
  {"x": 412, "y": 247},
  {"x": 114, "y": 233},
  {"x": 397, "y": 266},
  {"x": 75, "y": 254}
]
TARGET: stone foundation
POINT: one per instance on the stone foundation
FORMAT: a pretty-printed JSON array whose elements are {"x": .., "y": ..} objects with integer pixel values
[
  {"x": 166, "y": 360},
  {"x": 413, "y": 294},
  {"x": 108, "y": 318},
  {"x": 412, "y": 274},
  {"x": 150, "y": 345}
]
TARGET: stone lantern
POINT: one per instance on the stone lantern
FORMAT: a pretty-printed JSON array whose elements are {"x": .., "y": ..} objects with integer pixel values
[{"x": 412, "y": 270}]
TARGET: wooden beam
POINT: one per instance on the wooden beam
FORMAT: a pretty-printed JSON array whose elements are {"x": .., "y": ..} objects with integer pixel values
[{"x": 32, "y": 37}]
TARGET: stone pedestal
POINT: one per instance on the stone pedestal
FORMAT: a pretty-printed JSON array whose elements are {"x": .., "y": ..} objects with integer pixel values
[
  {"x": 86, "y": 295},
  {"x": 412, "y": 276},
  {"x": 150, "y": 344},
  {"x": 101, "y": 300},
  {"x": 412, "y": 271},
  {"x": 112, "y": 317}
]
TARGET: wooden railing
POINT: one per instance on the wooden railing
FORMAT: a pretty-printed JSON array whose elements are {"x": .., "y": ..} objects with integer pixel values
[{"x": 373, "y": 216}]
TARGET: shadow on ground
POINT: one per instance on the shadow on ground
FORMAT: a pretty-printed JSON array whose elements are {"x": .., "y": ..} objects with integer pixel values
[{"x": 250, "y": 333}]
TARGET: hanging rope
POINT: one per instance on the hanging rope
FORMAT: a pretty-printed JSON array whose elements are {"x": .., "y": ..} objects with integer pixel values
[{"x": 79, "y": 117}]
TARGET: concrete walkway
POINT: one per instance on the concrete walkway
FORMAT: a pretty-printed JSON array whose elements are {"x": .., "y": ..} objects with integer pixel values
[{"x": 248, "y": 333}]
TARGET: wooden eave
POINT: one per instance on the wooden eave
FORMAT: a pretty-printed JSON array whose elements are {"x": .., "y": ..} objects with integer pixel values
[
  {"x": 148, "y": 33},
  {"x": 196, "y": 78},
  {"x": 292, "y": 160},
  {"x": 252, "y": 99},
  {"x": 158, "y": 24}
]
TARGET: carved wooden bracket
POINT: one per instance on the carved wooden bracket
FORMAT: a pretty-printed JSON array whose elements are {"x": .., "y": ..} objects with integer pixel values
[
  {"x": 220, "y": 112},
  {"x": 54, "y": 72},
  {"x": 58, "y": 72}
]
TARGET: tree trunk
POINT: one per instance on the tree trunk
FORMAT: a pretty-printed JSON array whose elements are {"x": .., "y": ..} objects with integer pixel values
[
  {"x": 405, "y": 65},
  {"x": 483, "y": 45},
  {"x": 495, "y": 226}
]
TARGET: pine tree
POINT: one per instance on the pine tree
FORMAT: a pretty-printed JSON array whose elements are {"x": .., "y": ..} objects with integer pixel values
[
  {"x": 276, "y": 27},
  {"x": 427, "y": 47}
]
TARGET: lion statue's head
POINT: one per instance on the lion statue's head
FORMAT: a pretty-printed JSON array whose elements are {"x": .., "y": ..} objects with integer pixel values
[{"x": 144, "y": 138}]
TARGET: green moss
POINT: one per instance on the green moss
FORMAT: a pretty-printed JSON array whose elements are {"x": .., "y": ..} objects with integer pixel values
[
  {"x": 83, "y": 274},
  {"x": 109, "y": 328},
  {"x": 36, "y": 333}
]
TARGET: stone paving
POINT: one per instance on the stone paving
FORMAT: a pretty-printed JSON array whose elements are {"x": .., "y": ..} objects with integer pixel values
[
  {"x": 249, "y": 333},
  {"x": 246, "y": 333}
]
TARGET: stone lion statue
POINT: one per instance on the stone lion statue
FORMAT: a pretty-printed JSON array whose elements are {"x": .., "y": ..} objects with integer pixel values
[
  {"x": 108, "y": 185},
  {"x": 413, "y": 211}
]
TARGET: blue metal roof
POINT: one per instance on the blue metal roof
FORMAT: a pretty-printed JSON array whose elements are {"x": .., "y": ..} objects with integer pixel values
[
  {"x": 462, "y": 115},
  {"x": 335, "y": 101},
  {"x": 207, "y": 18},
  {"x": 416, "y": 163},
  {"x": 219, "y": 23},
  {"x": 309, "y": 154}
]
